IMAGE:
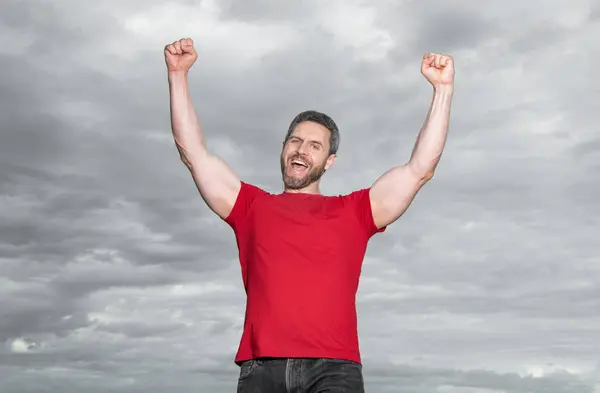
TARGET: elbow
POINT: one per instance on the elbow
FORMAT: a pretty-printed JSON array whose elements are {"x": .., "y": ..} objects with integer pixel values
[
  {"x": 183, "y": 158},
  {"x": 186, "y": 162},
  {"x": 191, "y": 157},
  {"x": 426, "y": 170},
  {"x": 428, "y": 176},
  {"x": 423, "y": 173}
]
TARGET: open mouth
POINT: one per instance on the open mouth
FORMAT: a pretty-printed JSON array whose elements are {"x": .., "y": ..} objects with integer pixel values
[{"x": 299, "y": 166}]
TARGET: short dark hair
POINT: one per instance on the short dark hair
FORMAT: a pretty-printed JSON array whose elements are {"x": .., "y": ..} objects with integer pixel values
[{"x": 322, "y": 119}]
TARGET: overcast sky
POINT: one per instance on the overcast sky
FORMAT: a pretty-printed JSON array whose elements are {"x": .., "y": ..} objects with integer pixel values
[{"x": 115, "y": 277}]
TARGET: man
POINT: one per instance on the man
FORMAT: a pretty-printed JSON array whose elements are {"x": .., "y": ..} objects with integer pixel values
[{"x": 301, "y": 252}]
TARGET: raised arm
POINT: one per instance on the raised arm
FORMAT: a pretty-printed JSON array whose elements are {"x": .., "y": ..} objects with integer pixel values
[
  {"x": 216, "y": 182},
  {"x": 395, "y": 190}
]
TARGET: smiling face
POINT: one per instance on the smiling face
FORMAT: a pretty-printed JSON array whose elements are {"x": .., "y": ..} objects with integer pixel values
[{"x": 305, "y": 156}]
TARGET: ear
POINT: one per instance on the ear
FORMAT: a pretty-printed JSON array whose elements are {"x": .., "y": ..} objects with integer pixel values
[{"x": 330, "y": 161}]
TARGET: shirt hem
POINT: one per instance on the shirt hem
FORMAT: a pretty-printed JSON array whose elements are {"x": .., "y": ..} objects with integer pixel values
[{"x": 341, "y": 355}]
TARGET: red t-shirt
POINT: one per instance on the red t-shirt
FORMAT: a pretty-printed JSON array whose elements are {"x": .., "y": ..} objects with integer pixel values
[{"x": 301, "y": 257}]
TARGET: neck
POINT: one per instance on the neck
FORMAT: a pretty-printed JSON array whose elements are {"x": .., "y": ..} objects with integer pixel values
[{"x": 312, "y": 188}]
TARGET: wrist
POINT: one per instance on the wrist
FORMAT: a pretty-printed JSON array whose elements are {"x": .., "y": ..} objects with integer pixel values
[
  {"x": 177, "y": 75},
  {"x": 444, "y": 88}
]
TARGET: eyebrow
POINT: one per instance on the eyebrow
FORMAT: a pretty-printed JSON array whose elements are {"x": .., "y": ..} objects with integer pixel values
[{"x": 300, "y": 139}]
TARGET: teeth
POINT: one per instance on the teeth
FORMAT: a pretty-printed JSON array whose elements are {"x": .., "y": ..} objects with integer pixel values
[{"x": 299, "y": 163}]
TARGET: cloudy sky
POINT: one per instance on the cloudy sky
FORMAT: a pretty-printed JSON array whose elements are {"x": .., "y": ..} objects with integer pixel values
[{"x": 115, "y": 277}]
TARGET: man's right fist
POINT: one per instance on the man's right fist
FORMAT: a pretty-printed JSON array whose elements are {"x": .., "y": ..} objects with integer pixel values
[{"x": 180, "y": 55}]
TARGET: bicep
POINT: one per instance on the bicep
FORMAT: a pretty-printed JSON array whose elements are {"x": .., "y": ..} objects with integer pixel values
[
  {"x": 218, "y": 185},
  {"x": 393, "y": 193}
]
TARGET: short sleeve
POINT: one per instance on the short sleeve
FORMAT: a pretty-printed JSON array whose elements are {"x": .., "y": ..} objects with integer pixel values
[
  {"x": 246, "y": 197},
  {"x": 360, "y": 204}
]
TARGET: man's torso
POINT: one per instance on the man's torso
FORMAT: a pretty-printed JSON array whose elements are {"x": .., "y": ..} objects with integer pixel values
[{"x": 301, "y": 257}]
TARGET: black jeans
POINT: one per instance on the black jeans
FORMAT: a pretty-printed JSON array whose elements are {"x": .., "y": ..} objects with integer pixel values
[{"x": 300, "y": 376}]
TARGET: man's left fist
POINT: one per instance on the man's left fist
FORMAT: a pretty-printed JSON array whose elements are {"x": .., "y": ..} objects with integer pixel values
[{"x": 438, "y": 69}]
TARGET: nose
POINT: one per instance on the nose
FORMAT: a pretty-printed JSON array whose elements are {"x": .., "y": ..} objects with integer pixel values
[{"x": 302, "y": 148}]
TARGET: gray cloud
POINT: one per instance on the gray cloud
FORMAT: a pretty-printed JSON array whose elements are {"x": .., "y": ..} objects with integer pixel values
[{"x": 115, "y": 277}]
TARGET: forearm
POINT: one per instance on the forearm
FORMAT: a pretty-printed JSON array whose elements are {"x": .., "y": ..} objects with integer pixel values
[
  {"x": 432, "y": 137},
  {"x": 185, "y": 125}
]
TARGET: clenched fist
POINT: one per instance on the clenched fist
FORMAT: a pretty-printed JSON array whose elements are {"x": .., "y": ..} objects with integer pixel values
[
  {"x": 180, "y": 55},
  {"x": 438, "y": 69}
]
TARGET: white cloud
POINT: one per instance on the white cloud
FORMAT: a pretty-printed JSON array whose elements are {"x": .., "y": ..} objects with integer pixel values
[
  {"x": 354, "y": 24},
  {"x": 231, "y": 44},
  {"x": 22, "y": 345}
]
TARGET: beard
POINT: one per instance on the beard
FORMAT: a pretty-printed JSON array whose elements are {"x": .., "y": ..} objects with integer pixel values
[{"x": 298, "y": 183}]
